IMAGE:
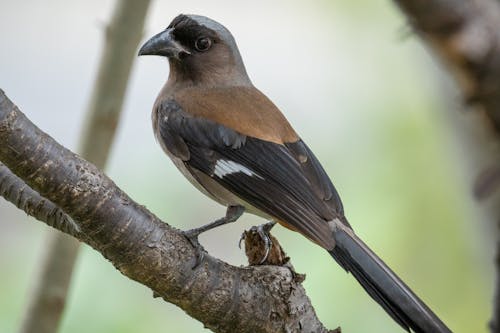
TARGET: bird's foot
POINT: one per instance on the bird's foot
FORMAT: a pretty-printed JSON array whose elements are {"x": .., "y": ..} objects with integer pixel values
[
  {"x": 192, "y": 236},
  {"x": 263, "y": 232}
]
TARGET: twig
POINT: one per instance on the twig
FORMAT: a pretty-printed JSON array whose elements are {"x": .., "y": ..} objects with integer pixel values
[{"x": 13, "y": 189}]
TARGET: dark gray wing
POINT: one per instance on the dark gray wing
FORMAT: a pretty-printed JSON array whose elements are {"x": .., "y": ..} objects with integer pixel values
[
  {"x": 284, "y": 181},
  {"x": 316, "y": 175}
]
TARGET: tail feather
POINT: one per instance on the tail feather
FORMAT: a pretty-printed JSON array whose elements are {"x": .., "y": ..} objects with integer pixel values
[{"x": 382, "y": 284}]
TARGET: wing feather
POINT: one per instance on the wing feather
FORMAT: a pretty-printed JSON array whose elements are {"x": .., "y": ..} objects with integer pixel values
[{"x": 284, "y": 181}]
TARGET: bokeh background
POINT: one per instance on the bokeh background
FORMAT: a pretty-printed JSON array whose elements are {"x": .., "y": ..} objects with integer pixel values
[{"x": 363, "y": 92}]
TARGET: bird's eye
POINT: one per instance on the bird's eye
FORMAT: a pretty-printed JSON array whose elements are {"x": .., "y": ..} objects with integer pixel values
[{"x": 202, "y": 44}]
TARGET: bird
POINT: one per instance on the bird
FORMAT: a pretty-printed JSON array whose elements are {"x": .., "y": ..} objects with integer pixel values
[{"x": 234, "y": 144}]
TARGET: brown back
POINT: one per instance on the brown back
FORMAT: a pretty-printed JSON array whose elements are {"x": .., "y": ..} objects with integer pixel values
[{"x": 244, "y": 109}]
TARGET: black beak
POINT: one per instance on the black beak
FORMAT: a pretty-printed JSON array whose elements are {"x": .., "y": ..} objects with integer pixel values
[{"x": 163, "y": 44}]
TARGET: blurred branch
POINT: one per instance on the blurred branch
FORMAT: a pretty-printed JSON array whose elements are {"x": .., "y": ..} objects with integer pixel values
[
  {"x": 224, "y": 298},
  {"x": 122, "y": 35},
  {"x": 466, "y": 37}
]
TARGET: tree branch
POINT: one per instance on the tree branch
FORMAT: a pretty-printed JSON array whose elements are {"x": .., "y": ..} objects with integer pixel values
[
  {"x": 13, "y": 189},
  {"x": 223, "y": 297}
]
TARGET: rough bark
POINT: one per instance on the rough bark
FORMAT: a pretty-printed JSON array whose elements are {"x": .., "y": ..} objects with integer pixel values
[
  {"x": 48, "y": 297},
  {"x": 223, "y": 297},
  {"x": 466, "y": 37}
]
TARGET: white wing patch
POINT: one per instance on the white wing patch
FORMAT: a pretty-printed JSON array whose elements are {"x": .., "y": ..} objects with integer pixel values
[{"x": 225, "y": 167}]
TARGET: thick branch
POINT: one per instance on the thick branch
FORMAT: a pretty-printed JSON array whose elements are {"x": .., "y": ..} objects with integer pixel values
[{"x": 225, "y": 298}]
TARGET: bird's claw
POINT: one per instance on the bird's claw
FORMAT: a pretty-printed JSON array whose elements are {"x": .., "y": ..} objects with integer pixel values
[
  {"x": 263, "y": 232},
  {"x": 192, "y": 237},
  {"x": 242, "y": 237}
]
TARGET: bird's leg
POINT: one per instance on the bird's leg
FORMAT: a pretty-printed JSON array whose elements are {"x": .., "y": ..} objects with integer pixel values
[
  {"x": 263, "y": 231},
  {"x": 233, "y": 213}
]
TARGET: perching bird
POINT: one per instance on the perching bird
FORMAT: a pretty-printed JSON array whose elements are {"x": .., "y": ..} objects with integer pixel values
[{"x": 235, "y": 146}]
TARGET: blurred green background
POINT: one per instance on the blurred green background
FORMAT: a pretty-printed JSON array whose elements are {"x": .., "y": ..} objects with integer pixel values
[{"x": 368, "y": 102}]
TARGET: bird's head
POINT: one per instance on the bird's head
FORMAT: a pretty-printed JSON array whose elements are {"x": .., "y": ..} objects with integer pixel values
[{"x": 200, "y": 50}]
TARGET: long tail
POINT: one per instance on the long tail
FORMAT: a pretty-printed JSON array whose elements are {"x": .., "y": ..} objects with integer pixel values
[{"x": 382, "y": 284}]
